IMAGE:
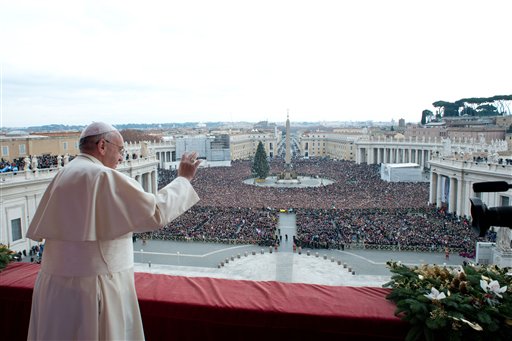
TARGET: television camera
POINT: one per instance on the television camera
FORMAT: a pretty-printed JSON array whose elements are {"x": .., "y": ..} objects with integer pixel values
[{"x": 482, "y": 216}]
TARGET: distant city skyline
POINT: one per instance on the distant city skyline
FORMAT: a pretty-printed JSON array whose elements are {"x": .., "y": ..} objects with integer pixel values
[
  {"x": 244, "y": 125},
  {"x": 126, "y": 62}
]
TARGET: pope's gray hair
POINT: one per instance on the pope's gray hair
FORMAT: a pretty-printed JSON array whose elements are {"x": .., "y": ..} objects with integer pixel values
[{"x": 88, "y": 143}]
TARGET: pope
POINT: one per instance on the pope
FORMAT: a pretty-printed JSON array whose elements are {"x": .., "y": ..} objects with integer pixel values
[{"x": 85, "y": 288}]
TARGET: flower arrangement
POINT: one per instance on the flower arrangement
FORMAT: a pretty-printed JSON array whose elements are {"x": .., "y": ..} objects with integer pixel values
[
  {"x": 5, "y": 256},
  {"x": 441, "y": 303}
]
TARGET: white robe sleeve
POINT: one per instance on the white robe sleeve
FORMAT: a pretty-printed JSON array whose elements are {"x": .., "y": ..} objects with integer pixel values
[
  {"x": 139, "y": 211},
  {"x": 172, "y": 201}
]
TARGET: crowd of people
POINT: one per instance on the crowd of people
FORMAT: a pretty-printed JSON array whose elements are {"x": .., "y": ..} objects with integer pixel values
[
  {"x": 358, "y": 208},
  {"x": 355, "y": 186},
  {"x": 222, "y": 225},
  {"x": 43, "y": 162},
  {"x": 422, "y": 228}
]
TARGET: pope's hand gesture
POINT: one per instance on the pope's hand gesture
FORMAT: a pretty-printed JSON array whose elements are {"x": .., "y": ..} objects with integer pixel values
[{"x": 188, "y": 165}]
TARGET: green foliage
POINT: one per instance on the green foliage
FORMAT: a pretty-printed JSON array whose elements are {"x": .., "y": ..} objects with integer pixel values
[
  {"x": 468, "y": 111},
  {"x": 426, "y": 116},
  {"x": 5, "y": 256},
  {"x": 260, "y": 167},
  {"x": 487, "y": 110},
  {"x": 470, "y": 302},
  {"x": 475, "y": 106}
]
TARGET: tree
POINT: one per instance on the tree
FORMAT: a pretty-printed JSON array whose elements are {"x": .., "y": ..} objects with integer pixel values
[
  {"x": 260, "y": 167},
  {"x": 487, "y": 110},
  {"x": 468, "y": 111},
  {"x": 446, "y": 109},
  {"x": 426, "y": 116}
]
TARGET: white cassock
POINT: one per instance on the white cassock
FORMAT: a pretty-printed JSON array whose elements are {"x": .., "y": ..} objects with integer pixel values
[{"x": 85, "y": 289}]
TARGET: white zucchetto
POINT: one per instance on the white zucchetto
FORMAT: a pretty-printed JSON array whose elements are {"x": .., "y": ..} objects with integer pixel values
[{"x": 97, "y": 128}]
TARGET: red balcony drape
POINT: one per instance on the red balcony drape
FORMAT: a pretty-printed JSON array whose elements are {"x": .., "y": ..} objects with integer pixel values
[{"x": 201, "y": 308}]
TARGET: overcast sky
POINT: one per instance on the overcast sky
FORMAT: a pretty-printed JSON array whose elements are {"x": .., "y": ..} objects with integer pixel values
[{"x": 74, "y": 62}]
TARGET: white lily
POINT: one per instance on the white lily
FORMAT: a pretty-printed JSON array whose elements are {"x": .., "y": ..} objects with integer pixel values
[
  {"x": 493, "y": 286},
  {"x": 435, "y": 294}
]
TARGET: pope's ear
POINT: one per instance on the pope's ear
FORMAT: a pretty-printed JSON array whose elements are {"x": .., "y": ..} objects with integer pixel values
[{"x": 101, "y": 147}]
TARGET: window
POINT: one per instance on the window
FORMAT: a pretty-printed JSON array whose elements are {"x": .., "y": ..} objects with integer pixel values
[
  {"x": 5, "y": 150},
  {"x": 505, "y": 201},
  {"x": 22, "y": 149},
  {"x": 65, "y": 145},
  {"x": 16, "y": 229}
]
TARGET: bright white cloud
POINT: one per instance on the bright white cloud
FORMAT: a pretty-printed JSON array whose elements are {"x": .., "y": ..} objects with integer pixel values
[{"x": 164, "y": 61}]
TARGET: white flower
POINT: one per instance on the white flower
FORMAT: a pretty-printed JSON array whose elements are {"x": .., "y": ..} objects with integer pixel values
[
  {"x": 421, "y": 277},
  {"x": 435, "y": 294},
  {"x": 493, "y": 286}
]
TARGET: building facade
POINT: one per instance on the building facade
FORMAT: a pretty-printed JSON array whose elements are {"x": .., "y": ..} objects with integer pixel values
[
  {"x": 243, "y": 146},
  {"x": 19, "y": 146}
]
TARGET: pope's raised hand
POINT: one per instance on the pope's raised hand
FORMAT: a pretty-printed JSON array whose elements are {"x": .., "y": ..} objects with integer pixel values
[{"x": 188, "y": 165}]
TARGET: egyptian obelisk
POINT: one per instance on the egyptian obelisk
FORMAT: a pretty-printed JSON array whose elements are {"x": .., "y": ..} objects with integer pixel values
[
  {"x": 288, "y": 155},
  {"x": 288, "y": 176}
]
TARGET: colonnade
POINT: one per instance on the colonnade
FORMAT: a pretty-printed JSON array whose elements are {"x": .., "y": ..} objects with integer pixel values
[
  {"x": 392, "y": 153},
  {"x": 451, "y": 184},
  {"x": 449, "y": 191},
  {"x": 148, "y": 181},
  {"x": 420, "y": 151},
  {"x": 165, "y": 156}
]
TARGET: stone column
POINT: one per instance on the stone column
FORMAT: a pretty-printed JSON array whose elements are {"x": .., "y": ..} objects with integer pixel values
[
  {"x": 439, "y": 190},
  {"x": 467, "y": 192},
  {"x": 452, "y": 197},
  {"x": 459, "y": 197},
  {"x": 154, "y": 181},
  {"x": 433, "y": 188}
]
